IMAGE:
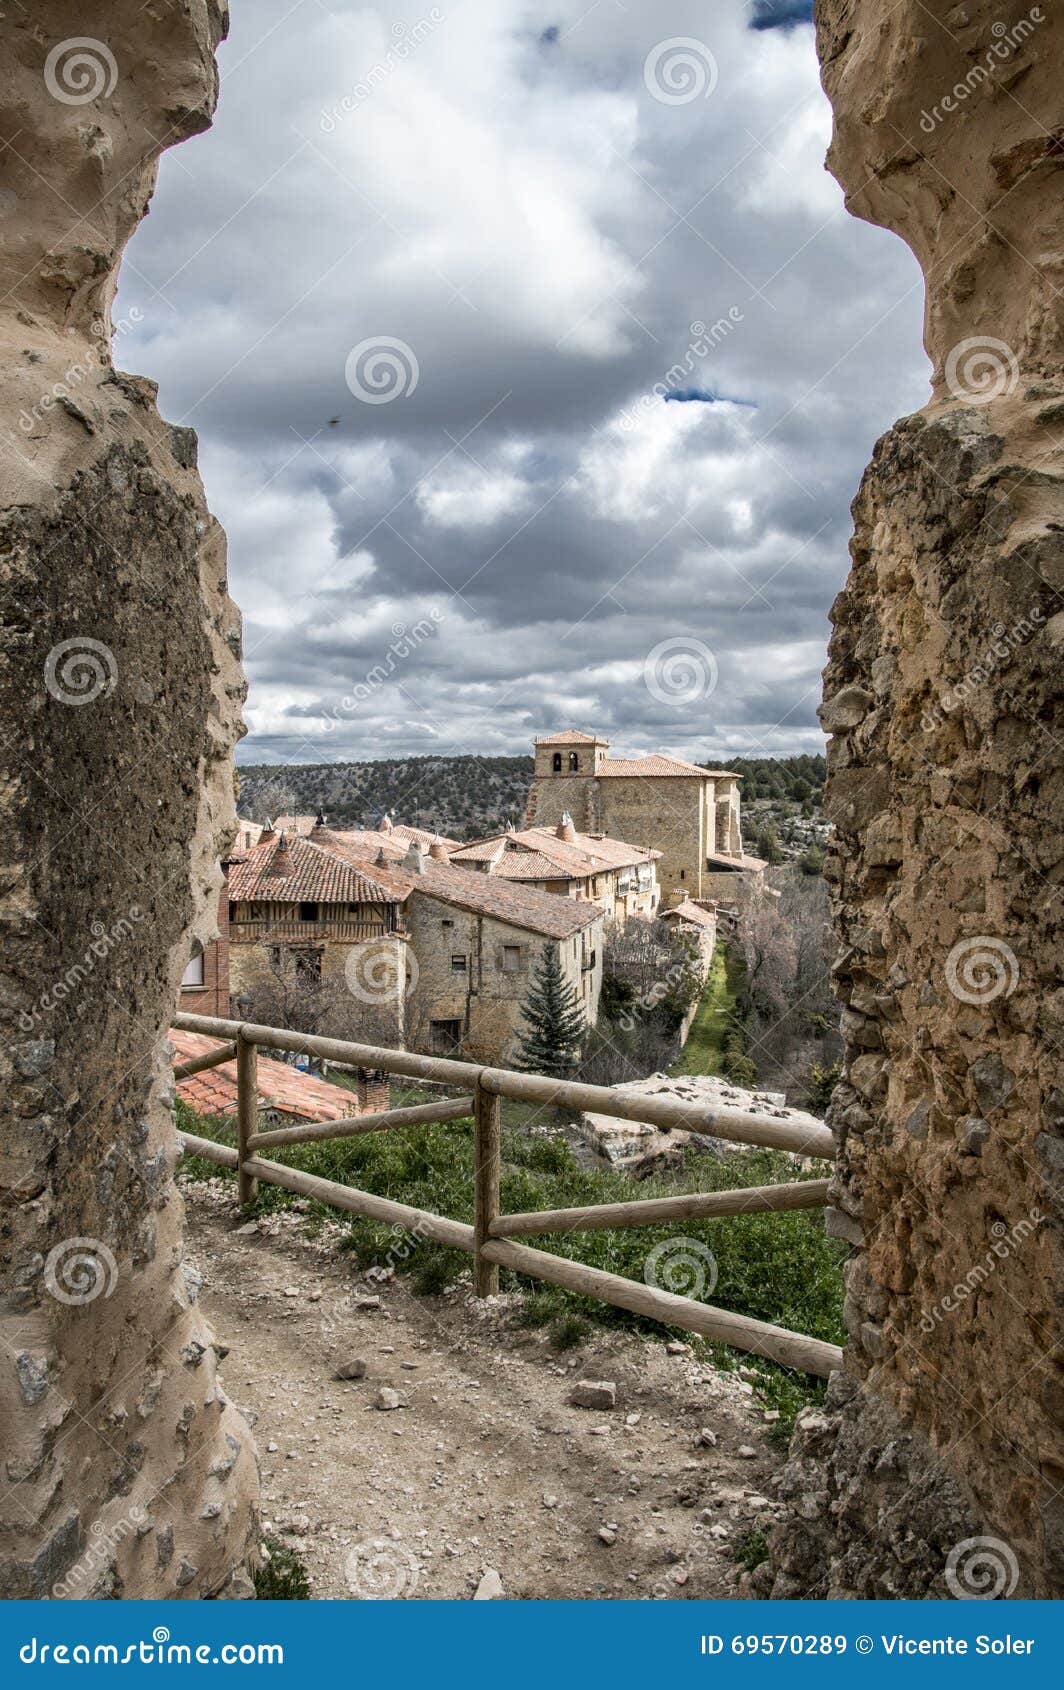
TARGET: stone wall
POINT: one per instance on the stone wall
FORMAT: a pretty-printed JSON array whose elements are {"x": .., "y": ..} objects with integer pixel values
[
  {"x": 937, "y": 1465},
  {"x": 128, "y": 1472},
  {"x": 485, "y": 997}
]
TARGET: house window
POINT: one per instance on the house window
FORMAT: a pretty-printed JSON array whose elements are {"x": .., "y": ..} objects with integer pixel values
[
  {"x": 511, "y": 959},
  {"x": 556, "y": 763},
  {"x": 446, "y": 1036},
  {"x": 458, "y": 964},
  {"x": 574, "y": 762},
  {"x": 446, "y": 922},
  {"x": 308, "y": 965},
  {"x": 193, "y": 975},
  {"x": 683, "y": 874},
  {"x": 308, "y": 912}
]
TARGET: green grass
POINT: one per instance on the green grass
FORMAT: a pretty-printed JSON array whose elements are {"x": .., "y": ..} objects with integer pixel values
[
  {"x": 704, "y": 1051},
  {"x": 779, "y": 1268}
]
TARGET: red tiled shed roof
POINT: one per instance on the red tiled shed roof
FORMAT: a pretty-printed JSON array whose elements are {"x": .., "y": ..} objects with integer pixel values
[{"x": 280, "y": 1087}]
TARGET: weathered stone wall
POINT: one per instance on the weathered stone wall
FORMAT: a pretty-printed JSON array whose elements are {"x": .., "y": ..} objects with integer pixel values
[
  {"x": 942, "y": 697},
  {"x": 486, "y": 998},
  {"x": 127, "y": 1471}
]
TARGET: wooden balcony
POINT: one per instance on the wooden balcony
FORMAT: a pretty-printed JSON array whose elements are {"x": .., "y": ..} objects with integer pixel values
[{"x": 287, "y": 931}]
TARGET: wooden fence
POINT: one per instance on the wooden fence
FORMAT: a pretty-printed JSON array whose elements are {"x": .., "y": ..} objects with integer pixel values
[{"x": 491, "y": 1238}]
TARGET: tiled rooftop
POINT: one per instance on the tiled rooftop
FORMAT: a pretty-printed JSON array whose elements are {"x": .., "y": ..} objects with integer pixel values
[
  {"x": 280, "y": 1086},
  {"x": 289, "y": 869}
]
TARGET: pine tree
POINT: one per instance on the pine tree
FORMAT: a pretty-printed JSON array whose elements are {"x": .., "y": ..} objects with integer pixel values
[{"x": 554, "y": 1020}]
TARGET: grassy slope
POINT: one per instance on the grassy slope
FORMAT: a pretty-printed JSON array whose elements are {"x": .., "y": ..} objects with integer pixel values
[
  {"x": 702, "y": 1052},
  {"x": 779, "y": 1268}
]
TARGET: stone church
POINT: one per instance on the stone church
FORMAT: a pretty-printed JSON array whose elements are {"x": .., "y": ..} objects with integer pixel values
[{"x": 690, "y": 814}]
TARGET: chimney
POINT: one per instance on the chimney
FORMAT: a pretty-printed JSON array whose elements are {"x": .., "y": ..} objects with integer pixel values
[
  {"x": 414, "y": 860},
  {"x": 565, "y": 829},
  {"x": 385, "y": 824},
  {"x": 438, "y": 849},
  {"x": 380, "y": 859},
  {"x": 319, "y": 822},
  {"x": 267, "y": 831}
]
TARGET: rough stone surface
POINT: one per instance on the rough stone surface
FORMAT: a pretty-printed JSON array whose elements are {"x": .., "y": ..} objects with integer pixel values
[
  {"x": 129, "y": 1474},
  {"x": 942, "y": 695},
  {"x": 594, "y": 1393}
]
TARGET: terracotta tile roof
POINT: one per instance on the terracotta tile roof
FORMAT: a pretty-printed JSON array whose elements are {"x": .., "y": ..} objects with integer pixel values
[
  {"x": 573, "y": 737},
  {"x": 520, "y": 906},
  {"x": 368, "y": 842},
  {"x": 293, "y": 824},
  {"x": 294, "y": 870},
  {"x": 721, "y": 859},
  {"x": 393, "y": 841},
  {"x": 652, "y": 765},
  {"x": 530, "y": 865},
  {"x": 280, "y": 1087},
  {"x": 568, "y": 859},
  {"x": 694, "y": 913}
]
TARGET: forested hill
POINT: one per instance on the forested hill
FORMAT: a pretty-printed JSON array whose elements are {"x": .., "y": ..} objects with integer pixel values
[{"x": 459, "y": 796}]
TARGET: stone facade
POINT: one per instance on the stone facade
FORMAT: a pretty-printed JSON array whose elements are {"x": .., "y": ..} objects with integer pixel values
[
  {"x": 128, "y": 1471},
  {"x": 475, "y": 1010},
  {"x": 687, "y": 813},
  {"x": 942, "y": 696}
]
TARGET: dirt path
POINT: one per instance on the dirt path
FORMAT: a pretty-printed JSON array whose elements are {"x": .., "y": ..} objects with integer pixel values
[{"x": 486, "y": 1464}]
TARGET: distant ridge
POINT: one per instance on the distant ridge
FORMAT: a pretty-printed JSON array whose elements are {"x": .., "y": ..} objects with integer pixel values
[{"x": 462, "y": 797}]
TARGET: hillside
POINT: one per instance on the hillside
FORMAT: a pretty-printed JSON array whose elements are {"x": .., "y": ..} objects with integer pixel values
[
  {"x": 459, "y": 796},
  {"x": 467, "y": 796}
]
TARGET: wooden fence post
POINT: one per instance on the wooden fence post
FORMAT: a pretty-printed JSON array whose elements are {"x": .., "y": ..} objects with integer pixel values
[
  {"x": 486, "y": 1111},
  {"x": 247, "y": 1114}
]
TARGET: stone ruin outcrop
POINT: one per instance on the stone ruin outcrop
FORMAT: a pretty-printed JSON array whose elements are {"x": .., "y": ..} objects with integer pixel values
[
  {"x": 936, "y": 1467},
  {"x": 126, "y": 1470}
]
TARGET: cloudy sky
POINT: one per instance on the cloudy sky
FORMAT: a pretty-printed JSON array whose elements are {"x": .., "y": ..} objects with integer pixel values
[{"x": 534, "y": 361}]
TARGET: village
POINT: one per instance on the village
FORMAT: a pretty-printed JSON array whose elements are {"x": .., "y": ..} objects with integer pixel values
[{"x": 398, "y": 937}]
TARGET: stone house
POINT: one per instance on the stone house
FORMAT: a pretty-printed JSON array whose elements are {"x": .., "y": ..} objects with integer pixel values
[
  {"x": 417, "y": 954},
  {"x": 296, "y": 907},
  {"x": 475, "y": 942},
  {"x": 478, "y": 943},
  {"x": 622, "y": 879},
  {"x": 689, "y": 814}
]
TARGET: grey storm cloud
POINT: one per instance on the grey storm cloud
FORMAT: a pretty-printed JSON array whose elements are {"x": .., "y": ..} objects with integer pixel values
[{"x": 426, "y": 290}]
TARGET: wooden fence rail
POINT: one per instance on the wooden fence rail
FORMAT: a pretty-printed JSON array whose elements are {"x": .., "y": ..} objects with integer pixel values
[{"x": 489, "y": 1239}]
